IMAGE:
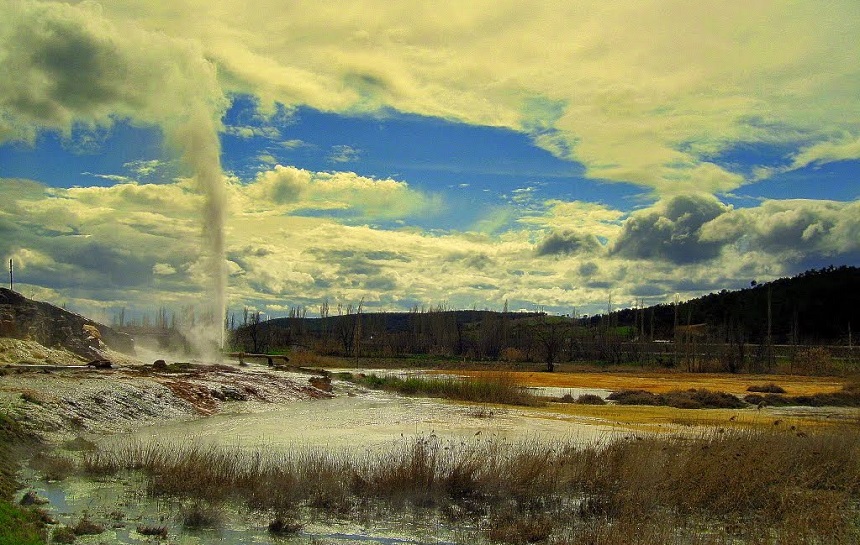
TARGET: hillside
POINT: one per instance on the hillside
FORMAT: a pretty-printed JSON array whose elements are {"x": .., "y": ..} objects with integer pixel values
[
  {"x": 817, "y": 306},
  {"x": 53, "y": 327}
]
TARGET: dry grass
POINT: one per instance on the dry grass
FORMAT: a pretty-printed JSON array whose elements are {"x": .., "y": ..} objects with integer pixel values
[
  {"x": 665, "y": 381},
  {"x": 738, "y": 484}
]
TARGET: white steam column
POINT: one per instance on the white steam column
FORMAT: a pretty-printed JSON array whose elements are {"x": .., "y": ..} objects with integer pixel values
[{"x": 202, "y": 152}]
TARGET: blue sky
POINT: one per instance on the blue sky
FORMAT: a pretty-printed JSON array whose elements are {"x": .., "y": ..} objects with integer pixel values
[{"x": 550, "y": 156}]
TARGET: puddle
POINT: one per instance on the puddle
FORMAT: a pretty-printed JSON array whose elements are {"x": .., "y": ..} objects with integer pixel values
[{"x": 121, "y": 508}]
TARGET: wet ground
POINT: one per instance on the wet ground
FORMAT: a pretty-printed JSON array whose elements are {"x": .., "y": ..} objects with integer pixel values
[
  {"x": 355, "y": 420},
  {"x": 358, "y": 419}
]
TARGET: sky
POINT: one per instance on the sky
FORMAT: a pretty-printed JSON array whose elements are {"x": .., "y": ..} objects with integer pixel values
[{"x": 553, "y": 155}]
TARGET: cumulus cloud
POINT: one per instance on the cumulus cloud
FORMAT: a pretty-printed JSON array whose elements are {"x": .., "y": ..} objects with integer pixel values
[
  {"x": 566, "y": 243},
  {"x": 638, "y": 92},
  {"x": 299, "y": 190},
  {"x": 65, "y": 64},
  {"x": 671, "y": 231},
  {"x": 794, "y": 227}
]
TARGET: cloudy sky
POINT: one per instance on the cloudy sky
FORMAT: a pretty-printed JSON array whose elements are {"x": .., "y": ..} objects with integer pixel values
[{"x": 552, "y": 154}]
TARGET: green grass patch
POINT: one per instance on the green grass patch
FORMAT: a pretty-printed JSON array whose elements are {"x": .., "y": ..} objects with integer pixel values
[
  {"x": 19, "y": 526},
  {"x": 500, "y": 389}
]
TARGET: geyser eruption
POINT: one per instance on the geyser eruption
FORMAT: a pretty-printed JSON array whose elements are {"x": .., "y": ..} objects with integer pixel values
[{"x": 202, "y": 152}]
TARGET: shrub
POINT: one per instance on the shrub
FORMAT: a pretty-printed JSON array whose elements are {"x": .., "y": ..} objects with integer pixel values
[
  {"x": 766, "y": 388},
  {"x": 159, "y": 532},
  {"x": 633, "y": 397},
  {"x": 284, "y": 526},
  {"x": 680, "y": 399},
  {"x": 848, "y": 396},
  {"x": 86, "y": 527},
  {"x": 590, "y": 399}
]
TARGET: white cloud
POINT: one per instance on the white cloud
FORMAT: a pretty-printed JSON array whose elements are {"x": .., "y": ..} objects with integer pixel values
[
  {"x": 636, "y": 92},
  {"x": 163, "y": 269},
  {"x": 343, "y": 154},
  {"x": 296, "y": 190}
]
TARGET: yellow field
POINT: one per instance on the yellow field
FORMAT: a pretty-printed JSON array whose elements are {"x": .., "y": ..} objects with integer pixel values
[{"x": 657, "y": 382}]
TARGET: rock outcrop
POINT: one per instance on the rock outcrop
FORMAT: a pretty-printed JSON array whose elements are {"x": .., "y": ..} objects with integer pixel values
[{"x": 51, "y": 326}]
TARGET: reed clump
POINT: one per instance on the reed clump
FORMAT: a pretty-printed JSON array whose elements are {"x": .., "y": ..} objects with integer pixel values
[
  {"x": 734, "y": 483},
  {"x": 769, "y": 388},
  {"x": 499, "y": 389}
]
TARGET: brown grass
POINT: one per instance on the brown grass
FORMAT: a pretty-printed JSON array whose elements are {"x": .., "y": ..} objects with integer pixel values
[{"x": 739, "y": 485}]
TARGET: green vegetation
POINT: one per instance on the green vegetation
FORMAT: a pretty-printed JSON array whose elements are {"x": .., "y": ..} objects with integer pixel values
[
  {"x": 681, "y": 399},
  {"x": 501, "y": 389},
  {"x": 739, "y": 487},
  {"x": 18, "y": 526}
]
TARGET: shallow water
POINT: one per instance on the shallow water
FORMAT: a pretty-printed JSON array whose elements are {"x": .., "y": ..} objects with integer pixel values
[{"x": 366, "y": 420}]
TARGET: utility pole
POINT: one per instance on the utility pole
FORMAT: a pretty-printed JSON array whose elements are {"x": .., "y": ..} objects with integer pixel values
[{"x": 11, "y": 284}]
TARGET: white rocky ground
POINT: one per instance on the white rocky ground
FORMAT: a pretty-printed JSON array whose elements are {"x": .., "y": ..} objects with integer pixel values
[{"x": 60, "y": 404}]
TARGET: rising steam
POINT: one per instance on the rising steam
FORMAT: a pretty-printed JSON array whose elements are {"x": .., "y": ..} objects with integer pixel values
[{"x": 198, "y": 138}]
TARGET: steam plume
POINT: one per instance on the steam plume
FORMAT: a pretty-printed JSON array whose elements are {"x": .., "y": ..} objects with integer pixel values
[{"x": 202, "y": 152}]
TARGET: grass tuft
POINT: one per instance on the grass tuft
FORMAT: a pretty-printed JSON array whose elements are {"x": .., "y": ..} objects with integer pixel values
[
  {"x": 158, "y": 532},
  {"x": 200, "y": 515}
]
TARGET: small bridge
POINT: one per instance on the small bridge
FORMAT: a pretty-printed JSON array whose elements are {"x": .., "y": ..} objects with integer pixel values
[{"x": 271, "y": 359}]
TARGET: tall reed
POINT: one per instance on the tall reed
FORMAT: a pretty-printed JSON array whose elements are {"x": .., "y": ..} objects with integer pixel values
[{"x": 779, "y": 481}]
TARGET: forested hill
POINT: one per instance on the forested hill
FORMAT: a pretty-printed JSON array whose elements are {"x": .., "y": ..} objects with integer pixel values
[{"x": 812, "y": 307}]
